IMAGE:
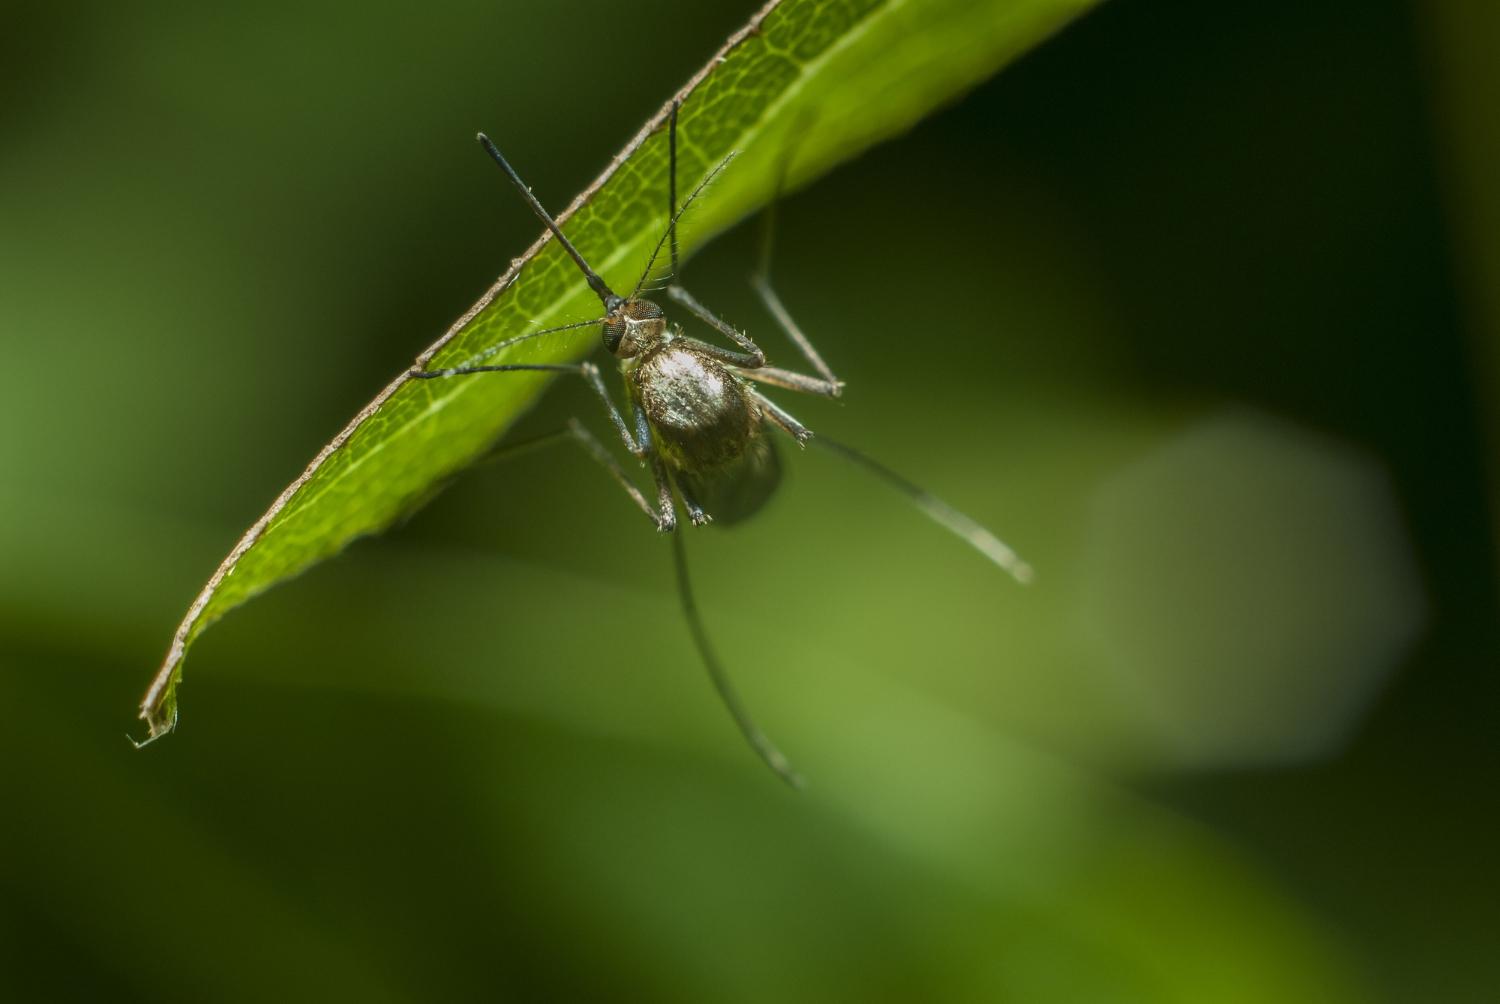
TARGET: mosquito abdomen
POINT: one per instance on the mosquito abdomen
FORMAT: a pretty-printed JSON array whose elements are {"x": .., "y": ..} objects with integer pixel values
[{"x": 702, "y": 414}]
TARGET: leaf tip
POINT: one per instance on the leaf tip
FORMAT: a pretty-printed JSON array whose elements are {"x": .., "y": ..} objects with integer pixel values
[{"x": 159, "y": 712}]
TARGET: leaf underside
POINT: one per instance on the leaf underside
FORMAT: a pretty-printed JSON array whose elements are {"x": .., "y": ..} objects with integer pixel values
[{"x": 839, "y": 75}]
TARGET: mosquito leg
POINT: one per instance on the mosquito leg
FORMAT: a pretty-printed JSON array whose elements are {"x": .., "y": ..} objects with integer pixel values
[
  {"x": 783, "y": 418},
  {"x": 576, "y": 432},
  {"x": 829, "y": 385},
  {"x": 800, "y": 382},
  {"x": 772, "y": 756},
  {"x": 642, "y": 426},
  {"x": 940, "y": 512},
  {"x": 750, "y": 359},
  {"x": 664, "y": 516},
  {"x": 587, "y": 370},
  {"x": 666, "y": 520},
  {"x": 664, "y": 503},
  {"x": 695, "y": 511}
]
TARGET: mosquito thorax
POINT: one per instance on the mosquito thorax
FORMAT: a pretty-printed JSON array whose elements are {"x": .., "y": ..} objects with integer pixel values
[{"x": 632, "y": 327}]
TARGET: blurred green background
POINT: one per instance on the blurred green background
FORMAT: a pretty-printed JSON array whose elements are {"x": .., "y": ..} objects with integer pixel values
[{"x": 1180, "y": 305}]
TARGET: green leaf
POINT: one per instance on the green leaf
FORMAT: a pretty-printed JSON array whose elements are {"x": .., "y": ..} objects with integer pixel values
[{"x": 814, "y": 80}]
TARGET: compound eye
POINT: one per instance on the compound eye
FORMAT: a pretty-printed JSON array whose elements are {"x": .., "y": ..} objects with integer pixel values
[
  {"x": 643, "y": 310},
  {"x": 614, "y": 330}
]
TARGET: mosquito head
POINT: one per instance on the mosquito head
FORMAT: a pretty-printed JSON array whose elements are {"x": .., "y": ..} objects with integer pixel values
[{"x": 632, "y": 327}]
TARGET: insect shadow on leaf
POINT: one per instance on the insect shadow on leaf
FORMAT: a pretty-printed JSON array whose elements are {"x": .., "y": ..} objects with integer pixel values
[{"x": 695, "y": 416}]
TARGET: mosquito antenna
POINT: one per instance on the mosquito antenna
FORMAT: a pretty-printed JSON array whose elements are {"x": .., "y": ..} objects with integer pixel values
[
  {"x": 940, "y": 512},
  {"x": 484, "y": 354},
  {"x": 672, "y": 224},
  {"x": 672, "y": 182},
  {"x": 611, "y": 300},
  {"x": 773, "y": 757}
]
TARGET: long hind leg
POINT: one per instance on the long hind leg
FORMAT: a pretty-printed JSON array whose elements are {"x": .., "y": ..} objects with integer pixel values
[
  {"x": 767, "y": 750},
  {"x": 966, "y": 528}
]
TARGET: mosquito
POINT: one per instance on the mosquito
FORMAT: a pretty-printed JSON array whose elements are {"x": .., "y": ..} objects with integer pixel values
[{"x": 698, "y": 418}]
